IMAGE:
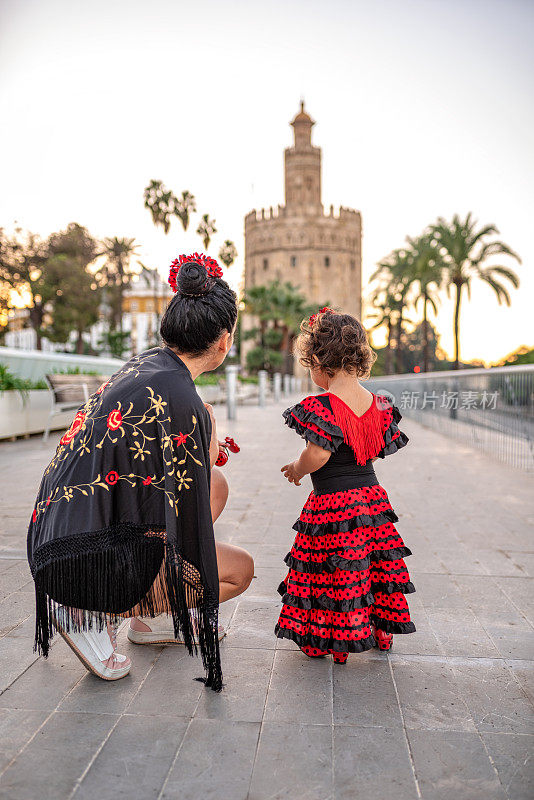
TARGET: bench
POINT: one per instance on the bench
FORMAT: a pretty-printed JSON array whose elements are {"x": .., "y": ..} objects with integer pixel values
[{"x": 69, "y": 392}]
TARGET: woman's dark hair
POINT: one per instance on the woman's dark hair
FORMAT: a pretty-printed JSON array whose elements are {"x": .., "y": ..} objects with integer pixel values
[
  {"x": 200, "y": 311},
  {"x": 333, "y": 342}
]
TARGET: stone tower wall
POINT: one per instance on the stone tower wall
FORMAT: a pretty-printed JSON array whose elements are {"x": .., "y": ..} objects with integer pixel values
[{"x": 317, "y": 252}]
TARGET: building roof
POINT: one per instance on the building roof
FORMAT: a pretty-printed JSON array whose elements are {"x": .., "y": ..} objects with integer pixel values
[{"x": 303, "y": 116}]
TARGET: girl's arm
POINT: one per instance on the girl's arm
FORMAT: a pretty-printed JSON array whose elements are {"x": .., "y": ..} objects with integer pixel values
[{"x": 312, "y": 458}]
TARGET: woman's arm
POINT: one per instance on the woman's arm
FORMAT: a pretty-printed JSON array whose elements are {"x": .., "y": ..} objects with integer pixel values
[
  {"x": 312, "y": 458},
  {"x": 214, "y": 442}
]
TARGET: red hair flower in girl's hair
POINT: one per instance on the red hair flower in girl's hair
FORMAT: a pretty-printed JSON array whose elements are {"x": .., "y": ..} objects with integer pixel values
[
  {"x": 313, "y": 319},
  {"x": 210, "y": 265}
]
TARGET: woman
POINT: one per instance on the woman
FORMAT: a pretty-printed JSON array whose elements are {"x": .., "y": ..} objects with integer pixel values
[{"x": 123, "y": 522}]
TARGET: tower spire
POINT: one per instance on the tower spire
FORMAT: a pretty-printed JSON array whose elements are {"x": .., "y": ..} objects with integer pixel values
[
  {"x": 303, "y": 167},
  {"x": 302, "y": 128}
]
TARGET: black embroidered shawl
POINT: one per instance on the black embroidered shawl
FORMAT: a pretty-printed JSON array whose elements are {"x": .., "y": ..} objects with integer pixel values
[{"x": 122, "y": 522}]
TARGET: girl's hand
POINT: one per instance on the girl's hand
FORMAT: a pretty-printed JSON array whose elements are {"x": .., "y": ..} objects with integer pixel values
[{"x": 291, "y": 473}]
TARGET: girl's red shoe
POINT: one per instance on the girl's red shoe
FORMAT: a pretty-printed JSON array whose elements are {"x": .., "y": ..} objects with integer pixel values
[
  {"x": 384, "y": 640},
  {"x": 340, "y": 658}
]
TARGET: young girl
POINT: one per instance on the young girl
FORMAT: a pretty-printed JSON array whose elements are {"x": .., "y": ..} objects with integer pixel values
[{"x": 347, "y": 581}]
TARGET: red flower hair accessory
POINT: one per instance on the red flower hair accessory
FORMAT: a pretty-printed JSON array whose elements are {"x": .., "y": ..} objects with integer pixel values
[
  {"x": 313, "y": 319},
  {"x": 209, "y": 264}
]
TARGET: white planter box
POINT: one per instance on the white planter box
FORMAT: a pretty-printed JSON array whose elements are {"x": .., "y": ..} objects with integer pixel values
[{"x": 19, "y": 418}]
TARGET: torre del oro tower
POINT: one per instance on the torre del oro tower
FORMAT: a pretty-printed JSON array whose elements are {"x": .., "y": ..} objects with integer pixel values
[{"x": 318, "y": 252}]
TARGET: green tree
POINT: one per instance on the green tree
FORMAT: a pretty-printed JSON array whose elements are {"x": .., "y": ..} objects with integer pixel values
[
  {"x": 115, "y": 274},
  {"x": 117, "y": 342},
  {"x": 22, "y": 258},
  {"x": 73, "y": 302},
  {"x": 466, "y": 251},
  {"x": 206, "y": 229},
  {"x": 69, "y": 291},
  {"x": 279, "y": 309}
]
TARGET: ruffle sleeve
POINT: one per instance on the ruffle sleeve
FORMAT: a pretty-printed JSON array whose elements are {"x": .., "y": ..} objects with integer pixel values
[
  {"x": 394, "y": 438},
  {"x": 313, "y": 419}
]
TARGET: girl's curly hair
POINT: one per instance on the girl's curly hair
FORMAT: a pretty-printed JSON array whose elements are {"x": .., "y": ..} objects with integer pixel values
[{"x": 335, "y": 341}]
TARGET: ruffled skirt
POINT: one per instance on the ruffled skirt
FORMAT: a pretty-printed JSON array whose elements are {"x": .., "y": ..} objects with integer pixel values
[{"x": 346, "y": 573}]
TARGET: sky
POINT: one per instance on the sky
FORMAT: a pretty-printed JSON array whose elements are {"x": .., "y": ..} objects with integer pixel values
[{"x": 423, "y": 109}]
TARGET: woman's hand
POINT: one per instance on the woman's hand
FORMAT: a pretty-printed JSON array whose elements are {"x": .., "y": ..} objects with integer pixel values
[{"x": 291, "y": 473}]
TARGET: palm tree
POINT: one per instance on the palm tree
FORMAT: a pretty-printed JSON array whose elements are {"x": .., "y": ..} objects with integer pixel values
[
  {"x": 206, "y": 229},
  {"x": 162, "y": 204},
  {"x": 288, "y": 309},
  {"x": 258, "y": 304},
  {"x": 228, "y": 253},
  {"x": 116, "y": 272},
  {"x": 383, "y": 315},
  {"x": 466, "y": 251},
  {"x": 184, "y": 206},
  {"x": 427, "y": 277},
  {"x": 396, "y": 275}
]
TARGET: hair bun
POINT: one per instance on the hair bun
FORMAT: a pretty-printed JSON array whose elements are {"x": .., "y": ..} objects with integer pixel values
[{"x": 193, "y": 280}]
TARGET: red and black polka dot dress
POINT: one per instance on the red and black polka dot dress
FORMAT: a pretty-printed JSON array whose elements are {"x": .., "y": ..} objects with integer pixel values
[{"x": 346, "y": 566}]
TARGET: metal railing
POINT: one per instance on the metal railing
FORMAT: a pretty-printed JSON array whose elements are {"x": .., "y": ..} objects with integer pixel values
[{"x": 491, "y": 409}]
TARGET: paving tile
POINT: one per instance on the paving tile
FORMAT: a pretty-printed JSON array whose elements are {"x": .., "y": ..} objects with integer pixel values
[
  {"x": 364, "y": 694},
  {"x": 524, "y": 673},
  {"x": 511, "y": 640},
  {"x": 293, "y": 759},
  {"x": 17, "y": 726},
  {"x": 214, "y": 762},
  {"x": 513, "y": 758},
  {"x": 520, "y": 591},
  {"x": 43, "y": 685},
  {"x": 171, "y": 686},
  {"x": 372, "y": 757},
  {"x": 453, "y": 764},
  {"x": 54, "y": 760},
  {"x": 465, "y": 637},
  {"x": 494, "y": 697},
  {"x": 253, "y": 624},
  {"x": 438, "y": 591},
  {"x": 429, "y": 695},
  {"x": 247, "y": 674},
  {"x": 14, "y": 609},
  {"x": 135, "y": 760},
  {"x": 15, "y": 658},
  {"x": 266, "y": 583},
  {"x": 300, "y": 690}
]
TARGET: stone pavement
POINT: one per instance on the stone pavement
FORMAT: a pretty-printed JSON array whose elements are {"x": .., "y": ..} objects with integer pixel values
[{"x": 448, "y": 714}]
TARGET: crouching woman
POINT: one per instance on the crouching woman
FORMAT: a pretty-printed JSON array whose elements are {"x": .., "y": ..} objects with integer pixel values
[{"x": 123, "y": 521}]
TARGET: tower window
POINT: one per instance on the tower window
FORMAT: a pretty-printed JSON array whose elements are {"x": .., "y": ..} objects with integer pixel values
[
  {"x": 293, "y": 261},
  {"x": 265, "y": 263},
  {"x": 353, "y": 265},
  {"x": 327, "y": 261}
]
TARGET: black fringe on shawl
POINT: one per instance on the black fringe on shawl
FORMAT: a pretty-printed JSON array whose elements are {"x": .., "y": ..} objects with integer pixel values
[{"x": 124, "y": 571}]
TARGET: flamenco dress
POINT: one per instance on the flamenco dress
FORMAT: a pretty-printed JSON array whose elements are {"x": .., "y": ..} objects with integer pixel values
[{"x": 347, "y": 573}]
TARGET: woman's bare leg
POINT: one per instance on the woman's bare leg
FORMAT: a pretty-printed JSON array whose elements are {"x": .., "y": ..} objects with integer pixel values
[
  {"x": 235, "y": 565},
  {"x": 236, "y": 570}
]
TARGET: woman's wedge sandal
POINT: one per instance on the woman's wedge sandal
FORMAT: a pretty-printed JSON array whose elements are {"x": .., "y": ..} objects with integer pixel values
[
  {"x": 95, "y": 649},
  {"x": 160, "y": 630}
]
